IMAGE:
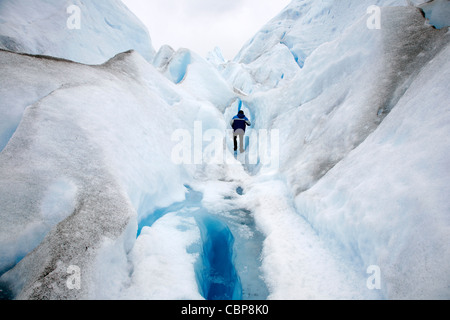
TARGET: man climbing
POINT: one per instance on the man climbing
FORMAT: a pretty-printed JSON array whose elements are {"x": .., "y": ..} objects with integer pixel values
[{"x": 239, "y": 124}]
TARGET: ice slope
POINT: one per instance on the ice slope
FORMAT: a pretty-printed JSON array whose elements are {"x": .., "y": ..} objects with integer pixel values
[
  {"x": 367, "y": 176},
  {"x": 304, "y": 25},
  {"x": 89, "y": 160},
  {"x": 344, "y": 92},
  {"x": 363, "y": 165},
  {"x": 268, "y": 59},
  {"x": 215, "y": 56},
  {"x": 299, "y": 29},
  {"x": 195, "y": 75},
  {"x": 269, "y": 71},
  {"x": 42, "y": 27},
  {"x": 387, "y": 201}
]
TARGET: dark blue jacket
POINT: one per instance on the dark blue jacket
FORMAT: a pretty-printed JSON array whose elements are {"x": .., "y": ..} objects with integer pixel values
[{"x": 240, "y": 122}]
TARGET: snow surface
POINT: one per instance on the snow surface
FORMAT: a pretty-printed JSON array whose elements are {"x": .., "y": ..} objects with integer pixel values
[
  {"x": 88, "y": 177},
  {"x": 99, "y": 170},
  {"x": 106, "y": 28},
  {"x": 397, "y": 209},
  {"x": 301, "y": 28},
  {"x": 347, "y": 88},
  {"x": 204, "y": 81}
]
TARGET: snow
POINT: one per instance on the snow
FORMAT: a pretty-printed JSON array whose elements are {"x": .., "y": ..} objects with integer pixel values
[
  {"x": 105, "y": 29},
  {"x": 195, "y": 75},
  {"x": 343, "y": 93},
  {"x": 303, "y": 26},
  {"x": 215, "y": 57},
  {"x": 334, "y": 104},
  {"x": 162, "y": 265},
  {"x": 59, "y": 201},
  {"x": 97, "y": 167},
  {"x": 297, "y": 263},
  {"x": 396, "y": 210},
  {"x": 356, "y": 121}
]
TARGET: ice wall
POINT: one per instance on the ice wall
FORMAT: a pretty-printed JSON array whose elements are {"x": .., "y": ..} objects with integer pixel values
[
  {"x": 98, "y": 148},
  {"x": 354, "y": 188},
  {"x": 89, "y": 32}
]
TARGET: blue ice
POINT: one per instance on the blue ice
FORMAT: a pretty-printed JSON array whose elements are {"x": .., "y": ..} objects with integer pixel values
[{"x": 216, "y": 273}]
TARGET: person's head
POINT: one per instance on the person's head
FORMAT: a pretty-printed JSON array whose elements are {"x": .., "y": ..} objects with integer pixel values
[{"x": 241, "y": 112}]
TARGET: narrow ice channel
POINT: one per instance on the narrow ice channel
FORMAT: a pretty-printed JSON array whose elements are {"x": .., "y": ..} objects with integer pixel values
[
  {"x": 217, "y": 275},
  {"x": 228, "y": 266}
]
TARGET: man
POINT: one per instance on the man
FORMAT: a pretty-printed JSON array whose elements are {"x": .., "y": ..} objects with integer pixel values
[{"x": 239, "y": 124}]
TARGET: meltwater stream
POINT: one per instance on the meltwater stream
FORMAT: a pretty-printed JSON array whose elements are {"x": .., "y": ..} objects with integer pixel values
[
  {"x": 217, "y": 275},
  {"x": 229, "y": 263}
]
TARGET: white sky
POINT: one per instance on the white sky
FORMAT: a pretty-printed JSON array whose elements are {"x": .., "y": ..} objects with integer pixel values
[{"x": 201, "y": 25}]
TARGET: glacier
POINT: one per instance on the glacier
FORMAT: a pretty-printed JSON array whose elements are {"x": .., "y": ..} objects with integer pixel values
[
  {"x": 101, "y": 29},
  {"x": 89, "y": 183}
]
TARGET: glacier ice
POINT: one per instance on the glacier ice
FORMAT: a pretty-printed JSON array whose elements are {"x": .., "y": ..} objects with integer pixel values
[
  {"x": 303, "y": 26},
  {"x": 106, "y": 28},
  {"x": 437, "y": 12},
  {"x": 99, "y": 170},
  {"x": 87, "y": 177},
  {"x": 327, "y": 114},
  {"x": 195, "y": 75},
  {"x": 395, "y": 215}
]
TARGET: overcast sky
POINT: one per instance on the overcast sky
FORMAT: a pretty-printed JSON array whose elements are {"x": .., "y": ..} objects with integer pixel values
[{"x": 201, "y": 25}]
